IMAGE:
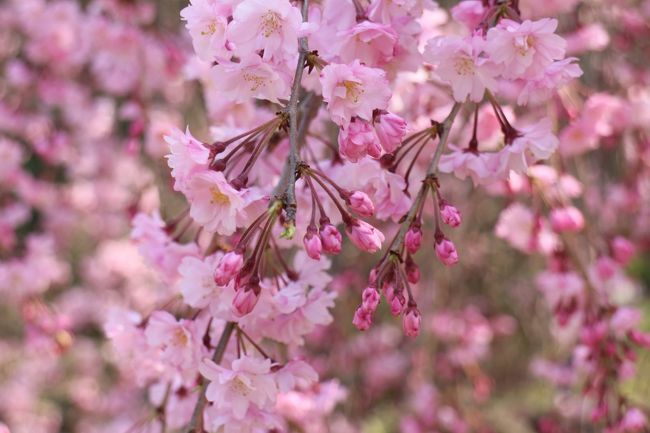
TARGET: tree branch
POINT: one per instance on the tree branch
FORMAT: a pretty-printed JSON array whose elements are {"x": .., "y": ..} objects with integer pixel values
[
  {"x": 289, "y": 194},
  {"x": 196, "y": 422},
  {"x": 432, "y": 170}
]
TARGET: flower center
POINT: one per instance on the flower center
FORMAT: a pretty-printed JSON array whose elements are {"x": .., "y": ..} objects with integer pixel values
[
  {"x": 255, "y": 81},
  {"x": 271, "y": 23},
  {"x": 524, "y": 43},
  {"x": 217, "y": 197},
  {"x": 207, "y": 282},
  {"x": 464, "y": 66},
  {"x": 179, "y": 337},
  {"x": 210, "y": 29},
  {"x": 353, "y": 90},
  {"x": 239, "y": 387}
]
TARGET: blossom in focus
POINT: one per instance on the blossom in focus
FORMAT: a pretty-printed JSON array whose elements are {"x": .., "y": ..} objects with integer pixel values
[
  {"x": 460, "y": 62},
  {"x": 354, "y": 90},
  {"x": 214, "y": 203},
  {"x": 524, "y": 49}
]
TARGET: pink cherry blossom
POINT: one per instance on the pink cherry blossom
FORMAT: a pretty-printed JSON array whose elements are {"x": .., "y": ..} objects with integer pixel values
[
  {"x": 461, "y": 64},
  {"x": 215, "y": 204},
  {"x": 271, "y": 26},
  {"x": 251, "y": 77},
  {"x": 371, "y": 43},
  {"x": 469, "y": 12},
  {"x": 249, "y": 381},
  {"x": 207, "y": 21},
  {"x": 524, "y": 49},
  {"x": 354, "y": 90},
  {"x": 567, "y": 219},
  {"x": 196, "y": 283},
  {"x": 479, "y": 167},
  {"x": 188, "y": 156},
  {"x": 179, "y": 342}
]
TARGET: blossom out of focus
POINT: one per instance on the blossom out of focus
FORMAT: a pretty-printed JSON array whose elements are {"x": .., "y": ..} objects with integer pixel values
[{"x": 267, "y": 216}]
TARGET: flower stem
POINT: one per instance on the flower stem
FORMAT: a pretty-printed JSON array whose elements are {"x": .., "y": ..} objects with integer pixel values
[{"x": 196, "y": 422}]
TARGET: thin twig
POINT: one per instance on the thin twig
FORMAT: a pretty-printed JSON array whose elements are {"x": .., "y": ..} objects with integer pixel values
[
  {"x": 443, "y": 133},
  {"x": 196, "y": 423},
  {"x": 289, "y": 195}
]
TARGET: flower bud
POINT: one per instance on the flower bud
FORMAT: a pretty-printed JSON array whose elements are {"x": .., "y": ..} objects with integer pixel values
[
  {"x": 413, "y": 238},
  {"x": 567, "y": 219},
  {"x": 622, "y": 250},
  {"x": 370, "y": 298},
  {"x": 390, "y": 129},
  {"x": 312, "y": 243},
  {"x": 412, "y": 270},
  {"x": 633, "y": 421},
  {"x": 229, "y": 266},
  {"x": 450, "y": 214},
  {"x": 364, "y": 236},
  {"x": 362, "y": 319},
  {"x": 397, "y": 304},
  {"x": 446, "y": 250},
  {"x": 361, "y": 204},
  {"x": 246, "y": 299},
  {"x": 358, "y": 140},
  {"x": 411, "y": 321},
  {"x": 331, "y": 238}
]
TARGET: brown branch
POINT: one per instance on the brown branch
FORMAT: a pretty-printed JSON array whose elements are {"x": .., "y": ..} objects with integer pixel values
[
  {"x": 196, "y": 422},
  {"x": 288, "y": 196}
]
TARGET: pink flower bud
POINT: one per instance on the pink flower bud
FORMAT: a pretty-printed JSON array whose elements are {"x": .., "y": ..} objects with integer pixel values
[
  {"x": 397, "y": 304},
  {"x": 370, "y": 298},
  {"x": 633, "y": 421},
  {"x": 246, "y": 299},
  {"x": 567, "y": 219},
  {"x": 450, "y": 214},
  {"x": 361, "y": 204},
  {"x": 390, "y": 129},
  {"x": 229, "y": 266},
  {"x": 330, "y": 238},
  {"x": 312, "y": 243},
  {"x": 446, "y": 250},
  {"x": 362, "y": 319},
  {"x": 606, "y": 268},
  {"x": 640, "y": 338},
  {"x": 622, "y": 249},
  {"x": 358, "y": 140},
  {"x": 364, "y": 236},
  {"x": 412, "y": 271},
  {"x": 374, "y": 150},
  {"x": 411, "y": 322},
  {"x": 413, "y": 239}
]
